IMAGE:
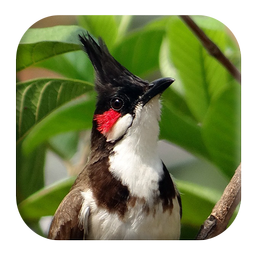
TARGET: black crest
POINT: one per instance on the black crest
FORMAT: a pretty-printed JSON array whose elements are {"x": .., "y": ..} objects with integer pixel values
[{"x": 109, "y": 72}]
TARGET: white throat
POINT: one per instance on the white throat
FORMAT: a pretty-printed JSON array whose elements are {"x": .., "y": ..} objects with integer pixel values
[{"x": 135, "y": 160}]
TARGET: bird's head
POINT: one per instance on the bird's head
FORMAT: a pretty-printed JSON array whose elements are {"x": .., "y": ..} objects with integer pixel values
[{"x": 125, "y": 102}]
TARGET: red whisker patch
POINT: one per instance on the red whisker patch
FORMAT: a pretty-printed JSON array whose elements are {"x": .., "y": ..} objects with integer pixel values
[{"x": 106, "y": 120}]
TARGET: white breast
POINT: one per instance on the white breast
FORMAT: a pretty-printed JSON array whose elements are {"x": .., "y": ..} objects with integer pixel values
[{"x": 136, "y": 224}]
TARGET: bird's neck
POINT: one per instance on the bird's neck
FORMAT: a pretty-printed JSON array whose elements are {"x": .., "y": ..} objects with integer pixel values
[{"x": 134, "y": 159}]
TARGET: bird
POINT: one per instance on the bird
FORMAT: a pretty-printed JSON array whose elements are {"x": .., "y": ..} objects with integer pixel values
[{"x": 125, "y": 190}]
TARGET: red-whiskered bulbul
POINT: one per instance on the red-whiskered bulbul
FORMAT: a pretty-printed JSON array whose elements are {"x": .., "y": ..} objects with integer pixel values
[{"x": 125, "y": 191}]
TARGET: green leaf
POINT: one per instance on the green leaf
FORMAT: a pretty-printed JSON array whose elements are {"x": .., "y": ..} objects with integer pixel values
[
  {"x": 168, "y": 69},
  {"x": 139, "y": 52},
  {"x": 64, "y": 144},
  {"x": 207, "y": 23},
  {"x": 123, "y": 23},
  {"x": 178, "y": 127},
  {"x": 202, "y": 76},
  {"x": 39, "y": 44},
  {"x": 197, "y": 203},
  {"x": 45, "y": 201},
  {"x": 29, "y": 172},
  {"x": 75, "y": 115},
  {"x": 74, "y": 65},
  {"x": 37, "y": 98},
  {"x": 221, "y": 129},
  {"x": 212, "y": 130},
  {"x": 104, "y": 26}
]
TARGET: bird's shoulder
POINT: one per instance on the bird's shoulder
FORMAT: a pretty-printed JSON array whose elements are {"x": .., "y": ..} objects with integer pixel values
[{"x": 66, "y": 223}]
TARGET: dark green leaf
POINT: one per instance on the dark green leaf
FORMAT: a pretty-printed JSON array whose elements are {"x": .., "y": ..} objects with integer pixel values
[
  {"x": 37, "y": 98},
  {"x": 29, "y": 172},
  {"x": 39, "y": 44}
]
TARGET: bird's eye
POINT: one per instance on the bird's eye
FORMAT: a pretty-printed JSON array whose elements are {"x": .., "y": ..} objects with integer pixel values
[{"x": 116, "y": 103}]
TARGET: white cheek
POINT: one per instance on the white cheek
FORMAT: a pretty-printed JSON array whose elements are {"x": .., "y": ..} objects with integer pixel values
[{"x": 119, "y": 128}]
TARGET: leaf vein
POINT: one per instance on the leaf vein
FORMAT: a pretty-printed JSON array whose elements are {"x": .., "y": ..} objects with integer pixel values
[
  {"x": 22, "y": 106},
  {"x": 40, "y": 99}
]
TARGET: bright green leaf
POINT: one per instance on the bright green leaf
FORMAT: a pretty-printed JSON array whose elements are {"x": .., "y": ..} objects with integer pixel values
[
  {"x": 123, "y": 23},
  {"x": 39, "y": 44},
  {"x": 37, "y": 98},
  {"x": 139, "y": 52},
  {"x": 104, "y": 26},
  {"x": 168, "y": 70},
  {"x": 202, "y": 76},
  {"x": 45, "y": 201},
  {"x": 159, "y": 23},
  {"x": 207, "y": 23},
  {"x": 75, "y": 115},
  {"x": 221, "y": 129},
  {"x": 64, "y": 34},
  {"x": 74, "y": 65}
]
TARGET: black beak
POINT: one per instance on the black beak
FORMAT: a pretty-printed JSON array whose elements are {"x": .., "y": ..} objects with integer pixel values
[{"x": 155, "y": 88}]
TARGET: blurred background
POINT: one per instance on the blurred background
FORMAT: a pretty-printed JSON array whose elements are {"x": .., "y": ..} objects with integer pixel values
[{"x": 181, "y": 164}]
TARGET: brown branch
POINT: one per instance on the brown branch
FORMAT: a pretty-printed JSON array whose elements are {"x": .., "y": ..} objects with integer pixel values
[
  {"x": 217, "y": 222},
  {"x": 212, "y": 48}
]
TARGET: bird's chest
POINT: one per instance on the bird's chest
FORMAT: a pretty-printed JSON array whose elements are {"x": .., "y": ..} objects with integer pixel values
[
  {"x": 128, "y": 198},
  {"x": 140, "y": 221}
]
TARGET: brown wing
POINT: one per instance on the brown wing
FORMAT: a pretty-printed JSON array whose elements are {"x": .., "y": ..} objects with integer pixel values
[
  {"x": 168, "y": 190},
  {"x": 65, "y": 224}
]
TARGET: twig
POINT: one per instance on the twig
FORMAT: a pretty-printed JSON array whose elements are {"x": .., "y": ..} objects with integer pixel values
[
  {"x": 217, "y": 222},
  {"x": 212, "y": 48}
]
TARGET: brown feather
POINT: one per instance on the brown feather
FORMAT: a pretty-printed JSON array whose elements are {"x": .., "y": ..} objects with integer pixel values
[{"x": 65, "y": 224}]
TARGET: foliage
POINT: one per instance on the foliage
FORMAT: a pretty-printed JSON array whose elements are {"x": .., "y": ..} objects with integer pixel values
[{"x": 201, "y": 111}]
